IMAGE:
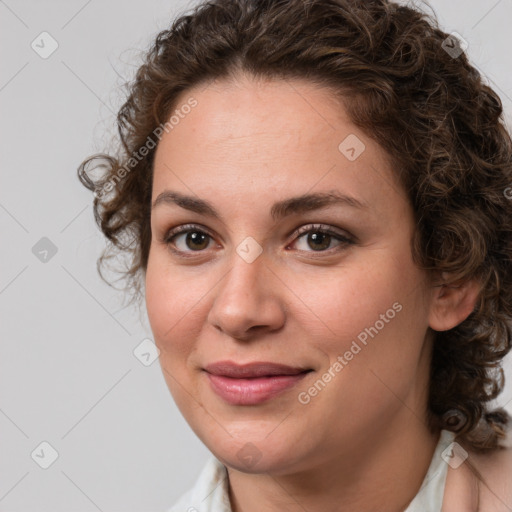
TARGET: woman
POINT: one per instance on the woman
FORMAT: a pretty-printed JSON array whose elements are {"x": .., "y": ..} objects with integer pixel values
[{"x": 315, "y": 199}]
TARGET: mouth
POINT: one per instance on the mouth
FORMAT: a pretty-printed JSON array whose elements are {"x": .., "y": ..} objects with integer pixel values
[{"x": 252, "y": 383}]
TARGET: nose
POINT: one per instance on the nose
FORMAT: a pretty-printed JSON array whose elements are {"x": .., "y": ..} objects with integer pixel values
[{"x": 248, "y": 302}]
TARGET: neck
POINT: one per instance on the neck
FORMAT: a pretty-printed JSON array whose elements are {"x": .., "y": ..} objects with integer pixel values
[{"x": 387, "y": 468}]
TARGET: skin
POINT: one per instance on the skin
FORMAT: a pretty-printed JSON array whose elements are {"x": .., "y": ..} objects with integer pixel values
[
  {"x": 480, "y": 484},
  {"x": 246, "y": 145}
]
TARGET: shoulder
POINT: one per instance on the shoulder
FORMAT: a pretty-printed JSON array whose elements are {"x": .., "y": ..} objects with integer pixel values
[
  {"x": 482, "y": 483},
  {"x": 494, "y": 475}
]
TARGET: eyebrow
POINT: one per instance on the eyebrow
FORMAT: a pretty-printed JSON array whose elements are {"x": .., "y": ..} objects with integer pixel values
[{"x": 280, "y": 209}]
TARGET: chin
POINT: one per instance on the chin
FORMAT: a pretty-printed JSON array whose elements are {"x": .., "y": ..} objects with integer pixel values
[{"x": 253, "y": 453}]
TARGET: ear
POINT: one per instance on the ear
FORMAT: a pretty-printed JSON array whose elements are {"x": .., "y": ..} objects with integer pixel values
[{"x": 452, "y": 303}]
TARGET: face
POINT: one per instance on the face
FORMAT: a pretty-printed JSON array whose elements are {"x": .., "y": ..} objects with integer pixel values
[{"x": 257, "y": 275}]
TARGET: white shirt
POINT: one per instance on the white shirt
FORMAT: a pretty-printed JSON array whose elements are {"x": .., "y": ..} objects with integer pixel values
[{"x": 210, "y": 492}]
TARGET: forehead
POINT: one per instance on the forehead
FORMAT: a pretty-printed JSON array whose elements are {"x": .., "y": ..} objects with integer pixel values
[
  {"x": 238, "y": 113},
  {"x": 255, "y": 137}
]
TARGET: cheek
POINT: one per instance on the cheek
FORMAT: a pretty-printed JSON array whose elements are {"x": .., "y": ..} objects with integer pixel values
[
  {"x": 172, "y": 307},
  {"x": 175, "y": 303},
  {"x": 166, "y": 302},
  {"x": 349, "y": 301},
  {"x": 374, "y": 354},
  {"x": 372, "y": 313}
]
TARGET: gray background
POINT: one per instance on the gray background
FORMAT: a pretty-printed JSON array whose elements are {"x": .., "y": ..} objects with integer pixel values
[{"x": 68, "y": 374}]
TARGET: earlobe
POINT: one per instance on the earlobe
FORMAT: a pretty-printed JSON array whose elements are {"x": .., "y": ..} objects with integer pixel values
[{"x": 452, "y": 303}]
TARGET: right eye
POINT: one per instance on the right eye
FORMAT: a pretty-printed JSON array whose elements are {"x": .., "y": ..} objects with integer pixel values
[{"x": 187, "y": 238}]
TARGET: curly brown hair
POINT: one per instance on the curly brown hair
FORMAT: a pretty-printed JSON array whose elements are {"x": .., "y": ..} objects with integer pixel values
[{"x": 426, "y": 106}]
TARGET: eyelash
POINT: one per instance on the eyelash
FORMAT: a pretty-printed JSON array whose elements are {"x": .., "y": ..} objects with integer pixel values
[{"x": 310, "y": 228}]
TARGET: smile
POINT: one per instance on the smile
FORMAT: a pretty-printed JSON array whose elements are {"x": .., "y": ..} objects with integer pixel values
[{"x": 253, "y": 390}]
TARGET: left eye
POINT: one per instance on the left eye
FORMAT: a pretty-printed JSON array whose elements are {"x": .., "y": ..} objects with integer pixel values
[{"x": 319, "y": 239}]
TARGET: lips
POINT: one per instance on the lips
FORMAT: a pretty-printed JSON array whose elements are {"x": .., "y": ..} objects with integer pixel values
[
  {"x": 252, "y": 370},
  {"x": 253, "y": 383}
]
